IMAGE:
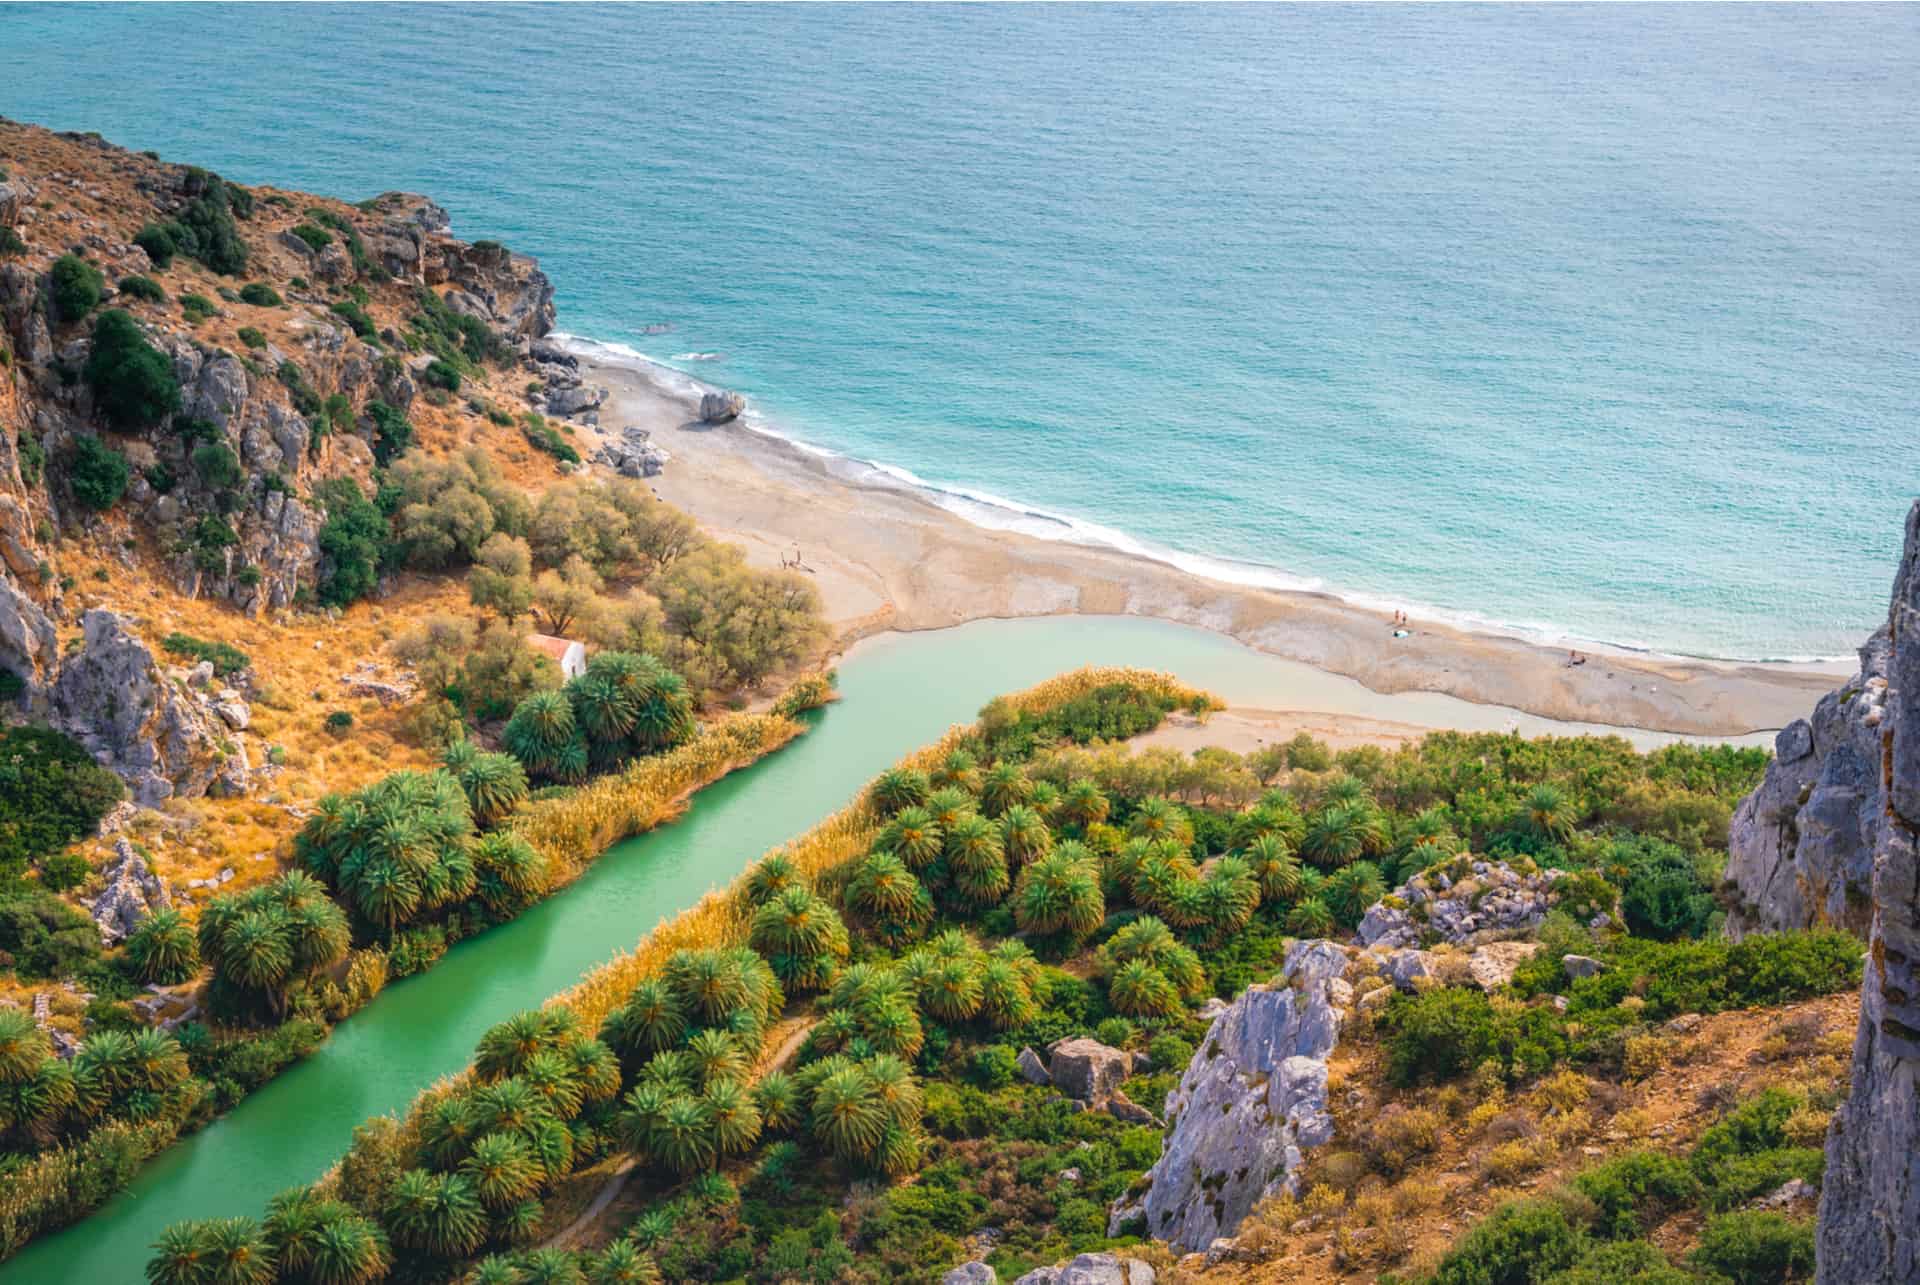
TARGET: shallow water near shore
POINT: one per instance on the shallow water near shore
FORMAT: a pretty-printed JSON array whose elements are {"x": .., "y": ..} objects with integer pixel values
[
  {"x": 899, "y": 692},
  {"x": 1593, "y": 321}
]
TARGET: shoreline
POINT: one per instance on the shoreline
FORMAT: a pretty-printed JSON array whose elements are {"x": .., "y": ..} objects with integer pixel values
[{"x": 886, "y": 557}]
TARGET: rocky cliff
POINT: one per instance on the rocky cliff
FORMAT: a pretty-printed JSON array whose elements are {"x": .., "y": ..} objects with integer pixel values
[{"x": 1870, "y": 1206}]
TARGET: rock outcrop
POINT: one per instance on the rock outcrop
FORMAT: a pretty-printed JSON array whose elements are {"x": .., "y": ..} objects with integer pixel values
[
  {"x": 721, "y": 408},
  {"x": 117, "y": 701},
  {"x": 1800, "y": 851},
  {"x": 1092, "y": 1269},
  {"x": 633, "y": 454},
  {"x": 1253, "y": 1098},
  {"x": 28, "y": 646},
  {"x": 1463, "y": 901},
  {"x": 1087, "y": 1070},
  {"x": 1870, "y": 1202},
  {"x": 133, "y": 892}
]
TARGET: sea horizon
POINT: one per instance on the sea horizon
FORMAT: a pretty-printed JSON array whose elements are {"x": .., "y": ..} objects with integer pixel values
[{"x": 1600, "y": 348}]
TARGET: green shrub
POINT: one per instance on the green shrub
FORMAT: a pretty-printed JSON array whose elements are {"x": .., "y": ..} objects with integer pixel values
[
  {"x": 1741, "y": 1178},
  {"x": 1517, "y": 1244},
  {"x": 217, "y": 465},
  {"x": 211, "y": 538},
  {"x": 392, "y": 432},
  {"x": 442, "y": 374},
  {"x": 260, "y": 295},
  {"x": 316, "y": 238},
  {"x": 197, "y": 308},
  {"x": 458, "y": 340},
  {"x": 1756, "y": 1248},
  {"x": 1439, "y": 1034},
  {"x": 205, "y": 229},
  {"x": 994, "y": 1067},
  {"x": 1634, "y": 1190},
  {"x": 1625, "y": 1262},
  {"x": 354, "y": 540},
  {"x": 227, "y": 659},
  {"x": 542, "y": 437},
  {"x": 77, "y": 285},
  {"x": 97, "y": 474},
  {"x": 160, "y": 242},
  {"x": 11, "y": 244},
  {"x": 339, "y": 722},
  {"x": 45, "y": 937},
  {"x": 252, "y": 337},
  {"x": 139, "y": 287},
  {"x": 356, "y": 317}
]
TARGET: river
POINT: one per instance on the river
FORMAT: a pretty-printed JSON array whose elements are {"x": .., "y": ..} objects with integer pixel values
[{"x": 898, "y": 693}]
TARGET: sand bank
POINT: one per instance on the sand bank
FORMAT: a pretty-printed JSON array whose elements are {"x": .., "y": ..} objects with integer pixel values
[{"x": 885, "y": 557}]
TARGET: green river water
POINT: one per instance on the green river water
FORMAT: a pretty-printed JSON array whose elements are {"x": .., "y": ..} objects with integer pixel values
[{"x": 898, "y": 693}]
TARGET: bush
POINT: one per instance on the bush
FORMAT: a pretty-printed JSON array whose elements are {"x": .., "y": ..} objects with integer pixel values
[
  {"x": 994, "y": 1067},
  {"x": 1626, "y": 1262},
  {"x": 356, "y": 317},
  {"x": 392, "y": 432},
  {"x": 132, "y": 381},
  {"x": 196, "y": 308},
  {"x": 260, "y": 295},
  {"x": 10, "y": 243},
  {"x": 1517, "y": 1244},
  {"x": 339, "y": 722},
  {"x": 354, "y": 540},
  {"x": 1756, "y": 1248},
  {"x": 542, "y": 437},
  {"x": 227, "y": 659},
  {"x": 1634, "y": 1190},
  {"x": 44, "y": 937},
  {"x": 217, "y": 465},
  {"x": 97, "y": 474},
  {"x": 1439, "y": 1034},
  {"x": 316, "y": 238},
  {"x": 139, "y": 287},
  {"x": 442, "y": 374},
  {"x": 160, "y": 243},
  {"x": 206, "y": 230},
  {"x": 76, "y": 287},
  {"x": 252, "y": 337}
]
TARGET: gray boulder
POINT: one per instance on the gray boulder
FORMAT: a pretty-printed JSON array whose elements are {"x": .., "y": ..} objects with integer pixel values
[
  {"x": 721, "y": 408},
  {"x": 1578, "y": 966},
  {"x": 1869, "y": 1227},
  {"x": 573, "y": 399},
  {"x": 1253, "y": 1098},
  {"x": 1092, "y": 1269},
  {"x": 1406, "y": 969},
  {"x": 114, "y": 698},
  {"x": 1032, "y": 1069},
  {"x": 975, "y": 1273},
  {"x": 1087, "y": 1070}
]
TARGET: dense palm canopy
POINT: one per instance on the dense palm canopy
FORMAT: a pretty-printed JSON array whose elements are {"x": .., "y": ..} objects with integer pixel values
[{"x": 266, "y": 941}]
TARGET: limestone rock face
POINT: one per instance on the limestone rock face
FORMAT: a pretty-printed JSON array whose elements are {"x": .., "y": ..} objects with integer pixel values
[
  {"x": 1493, "y": 965},
  {"x": 1800, "y": 850},
  {"x": 117, "y": 701},
  {"x": 28, "y": 645},
  {"x": 132, "y": 894},
  {"x": 1870, "y": 1201},
  {"x": 1252, "y": 1099}
]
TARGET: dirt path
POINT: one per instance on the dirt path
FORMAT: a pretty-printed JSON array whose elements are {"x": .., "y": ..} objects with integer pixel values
[{"x": 791, "y": 1033}]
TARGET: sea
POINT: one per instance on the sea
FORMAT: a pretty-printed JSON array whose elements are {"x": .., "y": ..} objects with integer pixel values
[{"x": 1594, "y": 323}]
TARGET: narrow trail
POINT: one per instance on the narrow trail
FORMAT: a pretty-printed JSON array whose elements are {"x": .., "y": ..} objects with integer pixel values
[{"x": 792, "y": 1033}]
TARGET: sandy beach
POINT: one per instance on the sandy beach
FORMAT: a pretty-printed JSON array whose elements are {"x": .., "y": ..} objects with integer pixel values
[{"x": 886, "y": 557}]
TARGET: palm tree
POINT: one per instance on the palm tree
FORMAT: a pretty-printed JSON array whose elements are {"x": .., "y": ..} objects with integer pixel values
[
  {"x": 622, "y": 1263},
  {"x": 540, "y": 731},
  {"x": 605, "y": 710},
  {"x": 594, "y": 1069},
  {"x": 507, "y": 1106},
  {"x": 732, "y": 1116},
  {"x": 182, "y": 1256},
  {"x": 651, "y": 1020},
  {"x": 947, "y": 805},
  {"x": 1342, "y": 833},
  {"x": 156, "y": 1060},
  {"x": 848, "y": 1117},
  {"x": 778, "y": 1101},
  {"x": 913, "y": 834},
  {"x": 1160, "y": 819},
  {"x": 550, "y": 1076},
  {"x": 550, "y": 1266},
  {"x": 1274, "y": 866},
  {"x": 1083, "y": 804},
  {"x": 1276, "y": 816},
  {"x": 1346, "y": 791},
  {"x": 35, "y": 1105},
  {"x": 294, "y": 1218},
  {"x": 502, "y": 1169},
  {"x": 1227, "y": 897},
  {"x": 801, "y": 938},
  {"x": 1045, "y": 800},
  {"x": 1352, "y": 889},
  {"x": 977, "y": 860},
  {"x": 23, "y": 1046},
  {"x": 899, "y": 1152},
  {"x": 1310, "y": 917},
  {"x": 892, "y": 1026},
  {"x": 495, "y": 784},
  {"x": 1549, "y": 812},
  {"x": 435, "y": 1212},
  {"x": 1059, "y": 894},
  {"x": 520, "y": 1222},
  {"x": 1006, "y": 998},
  {"x": 682, "y": 1136},
  {"x": 1138, "y": 989},
  {"x": 640, "y": 1114},
  {"x": 899, "y": 788},
  {"x": 952, "y": 990},
  {"x": 348, "y": 1249},
  {"x": 163, "y": 949},
  {"x": 1024, "y": 835},
  {"x": 771, "y": 876},
  {"x": 1003, "y": 786},
  {"x": 673, "y": 1071},
  {"x": 885, "y": 894},
  {"x": 551, "y": 1142},
  {"x": 509, "y": 871},
  {"x": 1148, "y": 940},
  {"x": 447, "y": 1129},
  {"x": 958, "y": 770},
  {"x": 494, "y": 1270},
  {"x": 716, "y": 1056}
]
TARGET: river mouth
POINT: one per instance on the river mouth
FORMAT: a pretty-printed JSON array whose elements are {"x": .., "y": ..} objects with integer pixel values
[{"x": 899, "y": 692}]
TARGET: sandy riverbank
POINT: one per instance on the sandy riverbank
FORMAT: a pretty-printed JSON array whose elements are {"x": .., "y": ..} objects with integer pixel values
[{"x": 885, "y": 557}]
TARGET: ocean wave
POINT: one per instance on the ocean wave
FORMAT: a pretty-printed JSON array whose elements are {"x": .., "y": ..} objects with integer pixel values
[
  {"x": 998, "y": 513},
  {"x": 697, "y": 356}
]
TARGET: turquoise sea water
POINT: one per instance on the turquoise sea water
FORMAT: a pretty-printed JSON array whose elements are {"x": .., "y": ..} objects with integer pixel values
[{"x": 1596, "y": 320}]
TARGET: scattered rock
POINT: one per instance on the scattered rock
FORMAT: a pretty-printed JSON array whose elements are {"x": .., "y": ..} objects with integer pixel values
[
  {"x": 1485, "y": 900},
  {"x": 1791, "y": 1192},
  {"x": 1407, "y": 969},
  {"x": 1032, "y": 1069},
  {"x": 633, "y": 454},
  {"x": 971, "y": 1274},
  {"x": 364, "y": 680},
  {"x": 721, "y": 408},
  {"x": 1578, "y": 966},
  {"x": 1092, "y": 1269},
  {"x": 1121, "y": 1107}
]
